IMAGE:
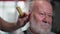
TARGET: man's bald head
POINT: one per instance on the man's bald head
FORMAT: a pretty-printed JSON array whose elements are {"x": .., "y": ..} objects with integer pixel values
[{"x": 42, "y": 4}]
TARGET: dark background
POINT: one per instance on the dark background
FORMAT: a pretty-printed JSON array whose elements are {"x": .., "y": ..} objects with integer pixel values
[{"x": 56, "y": 16}]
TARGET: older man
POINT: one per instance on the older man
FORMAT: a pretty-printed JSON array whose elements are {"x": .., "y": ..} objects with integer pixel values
[{"x": 41, "y": 17}]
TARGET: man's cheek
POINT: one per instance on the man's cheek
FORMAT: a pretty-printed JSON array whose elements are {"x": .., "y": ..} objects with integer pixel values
[
  {"x": 38, "y": 17},
  {"x": 49, "y": 20}
]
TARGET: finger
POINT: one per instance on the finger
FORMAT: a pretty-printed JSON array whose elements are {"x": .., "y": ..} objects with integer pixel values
[
  {"x": 25, "y": 14},
  {"x": 20, "y": 22},
  {"x": 26, "y": 19}
]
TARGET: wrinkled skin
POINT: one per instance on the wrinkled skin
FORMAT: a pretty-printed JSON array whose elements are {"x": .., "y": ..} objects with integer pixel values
[
  {"x": 41, "y": 17},
  {"x": 9, "y": 27}
]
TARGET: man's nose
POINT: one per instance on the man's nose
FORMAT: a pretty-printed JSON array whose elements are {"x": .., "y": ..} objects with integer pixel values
[{"x": 45, "y": 19}]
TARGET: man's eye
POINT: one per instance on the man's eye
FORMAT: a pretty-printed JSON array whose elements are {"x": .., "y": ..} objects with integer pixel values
[{"x": 41, "y": 14}]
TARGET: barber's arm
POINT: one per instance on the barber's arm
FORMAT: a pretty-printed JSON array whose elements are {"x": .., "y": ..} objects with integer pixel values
[{"x": 9, "y": 27}]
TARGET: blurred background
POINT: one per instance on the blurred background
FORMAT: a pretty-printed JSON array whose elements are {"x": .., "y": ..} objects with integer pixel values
[{"x": 9, "y": 13}]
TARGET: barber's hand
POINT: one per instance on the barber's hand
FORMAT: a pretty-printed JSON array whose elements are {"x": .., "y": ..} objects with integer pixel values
[
  {"x": 9, "y": 27},
  {"x": 23, "y": 20}
]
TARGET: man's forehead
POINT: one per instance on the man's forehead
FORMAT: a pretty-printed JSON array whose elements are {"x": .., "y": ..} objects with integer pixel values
[
  {"x": 39, "y": 3},
  {"x": 45, "y": 6}
]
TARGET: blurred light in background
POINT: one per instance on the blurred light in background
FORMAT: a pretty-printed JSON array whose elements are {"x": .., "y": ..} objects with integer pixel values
[{"x": 9, "y": 13}]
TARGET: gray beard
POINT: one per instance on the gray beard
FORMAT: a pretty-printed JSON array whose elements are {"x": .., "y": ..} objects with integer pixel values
[{"x": 39, "y": 27}]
